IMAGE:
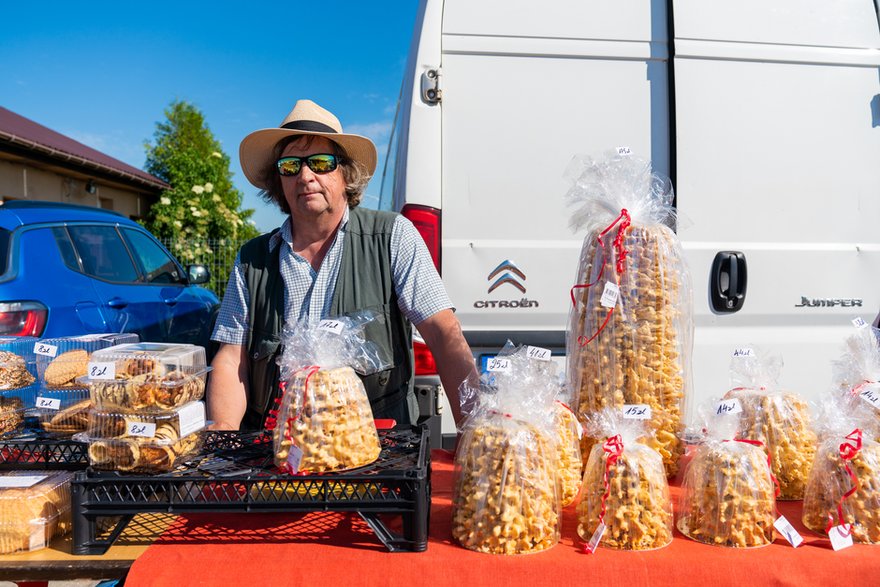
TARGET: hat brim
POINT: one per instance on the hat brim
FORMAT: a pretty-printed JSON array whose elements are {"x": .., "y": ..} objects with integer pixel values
[{"x": 257, "y": 150}]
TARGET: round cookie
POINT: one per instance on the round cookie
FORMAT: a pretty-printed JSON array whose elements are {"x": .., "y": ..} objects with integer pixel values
[{"x": 66, "y": 367}]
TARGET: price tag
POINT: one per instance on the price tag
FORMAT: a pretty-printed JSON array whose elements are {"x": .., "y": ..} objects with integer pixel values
[
  {"x": 610, "y": 295},
  {"x": 294, "y": 457},
  {"x": 334, "y": 326},
  {"x": 624, "y": 151},
  {"x": 840, "y": 538},
  {"x": 539, "y": 353},
  {"x": 497, "y": 365},
  {"x": 859, "y": 322},
  {"x": 728, "y": 406},
  {"x": 871, "y": 394},
  {"x": 44, "y": 349},
  {"x": 102, "y": 370},
  {"x": 38, "y": 534},
  {"x": 142, "y": 429},
  {"x": 744, "y": 352},
  {"x": 637, "y": 411},
  {"x": 787, "y": 531},
  {"x": 20, "y": 481},
  {"x": 191, "y": 418},
  {"x": 48, "y": 403},
  {"x": 596, "y": 538}
]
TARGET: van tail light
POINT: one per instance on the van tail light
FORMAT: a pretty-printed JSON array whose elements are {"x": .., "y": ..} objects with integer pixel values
[
  {"x": 427, "y": 222},
  {"x": 22, "y": 318},
  {"x": 424, "y": 360}
]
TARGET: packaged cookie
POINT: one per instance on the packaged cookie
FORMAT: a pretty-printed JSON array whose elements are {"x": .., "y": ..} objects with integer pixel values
[
  {"x": 146, "y": 376},
  {"x": 630, "y": 327},
  {"x": 34, "y": 508},
  {"x": 148, "y": 442},
  {"x": 16, "y": 363},
  {"x": 62, "y": 361},
  {"x": 844, "y": 483},
  {"x": 324, "y": 421},
  {"x": 506, "y": 486},
  {"x": 728, "y": 491},
  {"x": 856, "y": 379},
  {"x": 779, "y": 419},
  {"x": 624, "y": 489}
]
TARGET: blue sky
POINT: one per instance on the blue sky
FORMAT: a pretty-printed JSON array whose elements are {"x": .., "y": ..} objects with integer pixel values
[{"x": 104, "y": 72}]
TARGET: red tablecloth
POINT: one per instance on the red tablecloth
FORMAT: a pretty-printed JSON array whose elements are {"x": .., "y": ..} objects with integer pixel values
[{"x": 341, "y": 550}]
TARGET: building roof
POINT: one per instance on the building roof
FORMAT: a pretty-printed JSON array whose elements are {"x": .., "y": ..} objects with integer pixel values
[{"x": 27, "y": 135}]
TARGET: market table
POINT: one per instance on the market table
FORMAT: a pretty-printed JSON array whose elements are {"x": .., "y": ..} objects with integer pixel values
[{"x": 326, "y": 548}]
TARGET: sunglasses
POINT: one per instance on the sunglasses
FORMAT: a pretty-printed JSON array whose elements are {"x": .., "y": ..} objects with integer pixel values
[{"x": 318, "y": 163}]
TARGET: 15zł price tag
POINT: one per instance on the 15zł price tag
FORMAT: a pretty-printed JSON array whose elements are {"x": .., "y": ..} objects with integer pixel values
[{"x": 637, "y": 411}]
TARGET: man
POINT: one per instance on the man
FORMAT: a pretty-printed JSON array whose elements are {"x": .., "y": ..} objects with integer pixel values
[{"x": 329, "y": 258}]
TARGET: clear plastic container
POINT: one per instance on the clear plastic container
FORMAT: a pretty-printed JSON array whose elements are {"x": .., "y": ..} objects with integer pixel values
[
  {"x": 63, "y": 412},
  {"x": 146, "y": 376},
  {"x": 144, "y": 442},
  {"x": 34, "y": 507},
  {"x": 12, "y": 413},
  {"x": 63, "y": 360},
  {"x": 17, "y": 369}
]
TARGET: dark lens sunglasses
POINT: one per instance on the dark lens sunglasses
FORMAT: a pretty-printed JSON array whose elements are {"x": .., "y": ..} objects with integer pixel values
[{"x": 319, "y": 163}]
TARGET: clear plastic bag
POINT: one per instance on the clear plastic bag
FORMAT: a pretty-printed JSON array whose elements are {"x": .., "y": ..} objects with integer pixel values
[
  {"x": 324, "y": 421},
  {"x": 856, "y": 376},
  {"x": 634, "y": 349},
  {"x": 728, "y": 491},
  {"x": 506, "y": 488},
  {"x": 779, "y": 419},
  {"x": 568, "y": 449},
  {"x": 844, "y": 483},
  {"x": 624, "y": 487}
]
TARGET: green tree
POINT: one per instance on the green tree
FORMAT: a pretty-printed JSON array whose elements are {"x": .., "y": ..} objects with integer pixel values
[{"x": 202, "y": 202}]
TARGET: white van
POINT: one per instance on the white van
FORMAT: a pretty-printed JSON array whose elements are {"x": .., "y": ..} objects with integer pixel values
[{"x": 766, "y": 115}]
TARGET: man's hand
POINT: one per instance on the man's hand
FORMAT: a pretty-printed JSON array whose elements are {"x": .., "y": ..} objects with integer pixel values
[
  {"x": 227, "y": 387},
  {"x": 455, "y": 363}
]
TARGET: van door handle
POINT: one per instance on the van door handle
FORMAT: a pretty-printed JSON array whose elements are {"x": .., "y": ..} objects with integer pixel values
[
  {"x": 117, "y": 303},
  {"x": 727, "y": 282}
]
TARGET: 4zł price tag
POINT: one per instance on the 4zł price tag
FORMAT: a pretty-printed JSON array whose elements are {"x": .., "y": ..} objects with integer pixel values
[
  {"x": 728, "y": 406},
  {"x": 536, "y": 352},
  {"x": 637, "y": 411},
  {"x": 787, "y": 531},
  {"x": 610, "y": 295},
  {"x": 840, "y": 537},
  {"x": 334, "y": 326},
  {"x": 46, "y": 350},
  {"x": 497, "y": 365}
]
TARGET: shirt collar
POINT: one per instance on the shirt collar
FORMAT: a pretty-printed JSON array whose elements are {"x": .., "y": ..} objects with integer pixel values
[{"x": 286, "y": 232}]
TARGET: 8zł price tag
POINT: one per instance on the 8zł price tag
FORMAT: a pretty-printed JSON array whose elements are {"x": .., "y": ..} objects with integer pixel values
[
  {"x": 47, "y": 350},
  {"x": 48, "y": 403},
  {"x": 102, "y": 370}
]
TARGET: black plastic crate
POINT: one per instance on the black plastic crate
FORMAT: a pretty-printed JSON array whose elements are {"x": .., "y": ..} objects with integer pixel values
[
  {"x": 34, "y": 449},
  {"x": 235, "y": 473}
]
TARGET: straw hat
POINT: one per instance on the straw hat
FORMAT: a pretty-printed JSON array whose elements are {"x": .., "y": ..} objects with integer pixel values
[{"x": 307, "y": 118}]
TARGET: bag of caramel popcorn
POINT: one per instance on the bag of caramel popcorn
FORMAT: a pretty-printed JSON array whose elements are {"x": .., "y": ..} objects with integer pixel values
[
  {"x": 843, "y": 489},
  {"x": 324, "y": 421},
  {"x": 777, "y": 418},
  {"x": 856, "y": 379},
  {"x": 625, "y": 503},
  {"x": 728, "y": 491},
  {"x": 630, "y": 326},
  {"x": 569, "y": 432},
  {"x": 506, "y": 488}
]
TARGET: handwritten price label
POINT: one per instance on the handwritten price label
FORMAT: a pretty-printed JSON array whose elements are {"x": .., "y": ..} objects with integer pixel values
[
  {"x": 787, "y": 531},
  {"x": 859, "y": 322},
  {"x": 744, "y": 352},
  {"x": 637, "y": 412},
  {"x": 728, "y": 406},
  {"x": 47, "y": 403},
  {"x": 840, "y": 537},
  {"x": 47, "y": 350},
  {"x": 871, "y": 394},
  {"x": 102, "y": 370},
  {"x": 498, "y": 365},
  {"x": 142, "y": 429},
  {"x": 334, "y": 326},
  {"x": 610, "y": 295},
  {"x": 624, "y": 151},
  {"x": 539, "y": 353}
]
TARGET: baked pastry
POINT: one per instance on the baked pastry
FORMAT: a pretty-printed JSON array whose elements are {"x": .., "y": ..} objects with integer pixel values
[
  {"x": 70, "y": 420},
  {"x": 63, "y": 370},
  {"x": 135, "y": 388},
  {"x": 781, "y": 421},
  {"x": 327, "y": 416},
  {"x": 568, "y": 450},
  {"x": 638, "y": 510},
  {"x": 506, "y": 490},
  {"x": 728, "y": 496},
  {"x": 10, "y": 414},
  {"x": 31, "y": 516},
  {"x": 13, "y": 371},
  {"x": 640, "y": 356}
]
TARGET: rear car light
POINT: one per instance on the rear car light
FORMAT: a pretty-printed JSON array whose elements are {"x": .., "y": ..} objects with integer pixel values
[
  {"x": 427, "y": 222},
  {"x": 424, "y": 360},
  {"x": 22, "y": 318}
]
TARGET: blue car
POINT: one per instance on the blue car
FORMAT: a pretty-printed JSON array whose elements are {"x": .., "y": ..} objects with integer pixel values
[{"x": 68, "y": 270}]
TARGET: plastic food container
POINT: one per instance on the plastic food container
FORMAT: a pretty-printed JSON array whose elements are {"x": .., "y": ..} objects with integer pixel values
[
  {"x": 144, "y": 442},
  {"x": 34, "y": 507},
  {"x": 63, "y": 412},
  {"x": 11, "y": 415},
  {"x": 146, "y": 376},
  {"x": 16, "y": 362},
  {"x": 61, "y": 361}
]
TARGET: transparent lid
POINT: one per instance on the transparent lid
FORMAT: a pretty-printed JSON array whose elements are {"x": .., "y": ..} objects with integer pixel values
[
  {"x": 16, "y": 361},
  {"x": 22, "y": 346},
  {"x": 146, "y": 392},
  {"x": 134, "y": 455},
  {"x": 146, "y": 358},
  {"x": 64, "y": 417},
  {"x": 60, "y": 361},
  {"x": 12, "y": 410},
  {"x": 22, "y": 486},
  {"x": 160, "y": 429}
]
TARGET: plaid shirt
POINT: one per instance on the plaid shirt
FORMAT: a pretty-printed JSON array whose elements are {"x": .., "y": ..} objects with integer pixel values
[{"x": 309, "y": 293}]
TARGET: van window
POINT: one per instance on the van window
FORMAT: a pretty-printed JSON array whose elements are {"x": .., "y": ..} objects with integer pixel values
[
  {"x": 103, "y": 253},
  {"x": 156, "y": 264}
]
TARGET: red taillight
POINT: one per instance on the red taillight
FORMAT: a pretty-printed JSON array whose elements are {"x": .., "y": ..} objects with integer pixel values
[
  {"x": 424, "y": 360},
  {"x": 22, "y": 318},
  {"x": 427, "y": 222}
]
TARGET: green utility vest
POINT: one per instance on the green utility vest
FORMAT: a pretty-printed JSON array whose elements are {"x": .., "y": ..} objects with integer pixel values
[{"x": 364, "y": 283}]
